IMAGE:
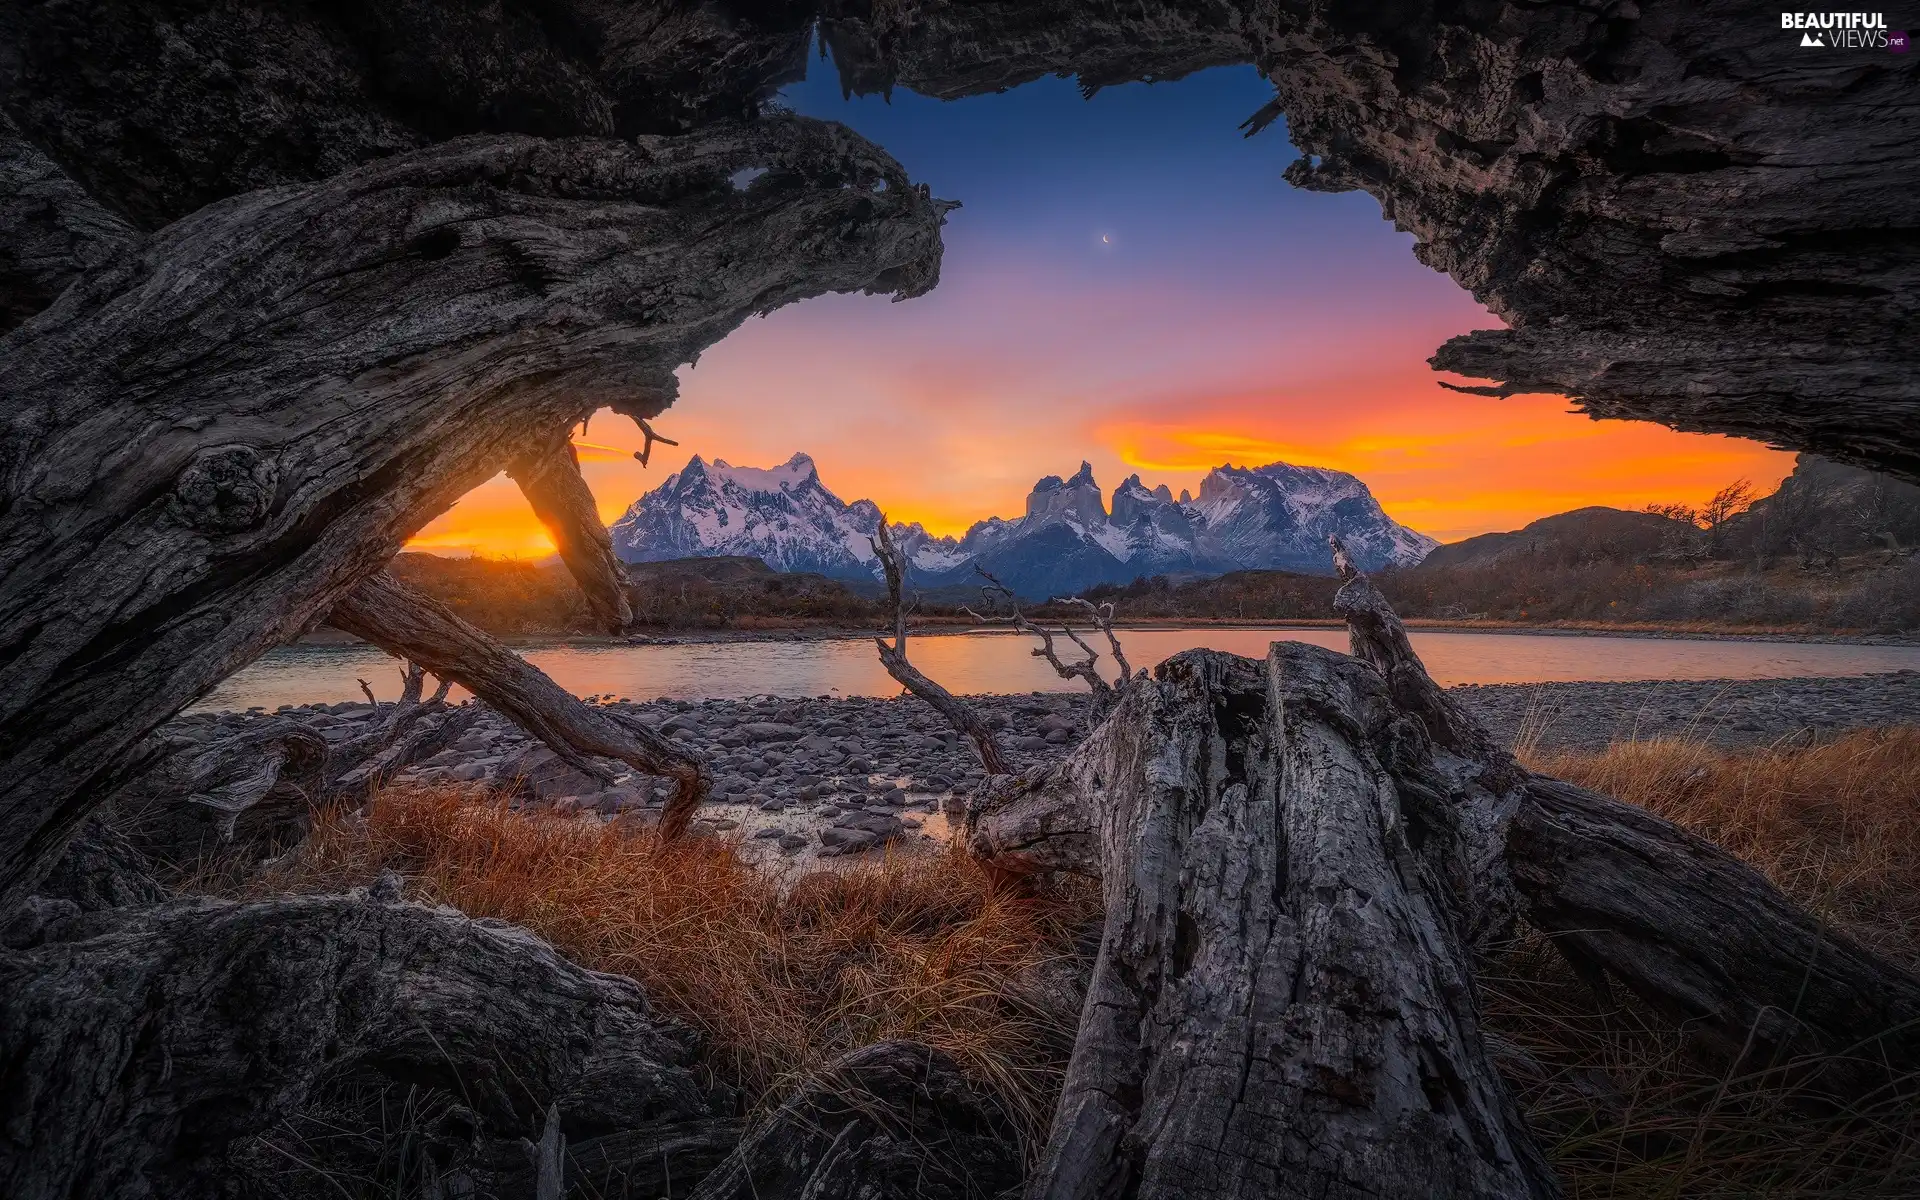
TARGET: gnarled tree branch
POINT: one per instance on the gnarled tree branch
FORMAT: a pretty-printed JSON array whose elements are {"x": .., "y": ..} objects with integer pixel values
[
  {"x": 893, "y": 656},
  {"x": 1083, "y": 669},
  {"x": 549, "y": 477},
  {"x": 405, "y": 622},
  {"x": 209, "y": 440}
]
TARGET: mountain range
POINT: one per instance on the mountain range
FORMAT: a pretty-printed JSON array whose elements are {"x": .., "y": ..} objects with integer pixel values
[{"x": 1070, "y": 538}]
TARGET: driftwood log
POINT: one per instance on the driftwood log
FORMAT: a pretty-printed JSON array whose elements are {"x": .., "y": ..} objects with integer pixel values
[
  {"x": 1283, "y": 1003},
  {"x": 200, "y": 787},
  {"x": 137, "y": 1045},
  {"x": 408, "y": 623},
  {"x": 1299, "y": 859},
  {"x": 549, "y": 477},
  {"x": 212, "y": 438},
  {"x": 893, "y": 656}
]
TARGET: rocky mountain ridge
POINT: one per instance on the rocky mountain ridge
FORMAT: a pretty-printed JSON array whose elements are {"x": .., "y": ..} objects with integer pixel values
[{"x": 1273, "y": 517}]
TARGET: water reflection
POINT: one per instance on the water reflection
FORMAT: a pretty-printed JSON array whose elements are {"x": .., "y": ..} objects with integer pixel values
[{"x": 1003, "y": 663}]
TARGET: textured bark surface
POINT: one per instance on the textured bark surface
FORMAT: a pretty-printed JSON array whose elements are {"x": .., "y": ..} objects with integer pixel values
[
  {"x": 202, "y": 785},
  {"x": 102, "y": 869},
  {"x": 1283, "y": 1003},
  {"x": 50, "y": 229},
  {"x": 404, "y": 622},
  {"x": 1682, "y": 215},
  {"x": 893, "y": 656},
  {"x": 211, "y": 441},
  {"x": 1755, "y": 979},
  {"x": 549, "y": 477},
  {"x": 159, "y": 110},
  {"x": 137, "y": 1045},
  {"x": 892, "y": 1121}
]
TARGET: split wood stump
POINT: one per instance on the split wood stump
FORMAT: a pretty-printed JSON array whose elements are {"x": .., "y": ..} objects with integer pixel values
[{"x": 1300, "y": 860}]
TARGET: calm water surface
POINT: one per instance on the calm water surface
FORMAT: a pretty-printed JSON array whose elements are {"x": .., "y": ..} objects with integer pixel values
[{"x": 1002, "y": 663}]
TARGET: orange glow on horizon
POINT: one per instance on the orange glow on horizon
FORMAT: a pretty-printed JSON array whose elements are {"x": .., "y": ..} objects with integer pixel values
[{"x": 1448, "y": 465}]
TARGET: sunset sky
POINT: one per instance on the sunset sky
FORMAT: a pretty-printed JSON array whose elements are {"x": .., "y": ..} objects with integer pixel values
[{"x": 1129, "y": 282}]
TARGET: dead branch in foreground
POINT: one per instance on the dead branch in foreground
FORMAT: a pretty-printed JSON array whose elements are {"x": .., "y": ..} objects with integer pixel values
[
  {"x": 893, "y": 656},
  {"x": 1104, "y": 694},
  {"x": 1299, "y": 860},
  {"x": 405, "y": 622}
]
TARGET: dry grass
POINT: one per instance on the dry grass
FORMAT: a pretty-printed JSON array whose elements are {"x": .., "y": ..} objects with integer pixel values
[
  {"x": 1835, "y": 826},
  {"x": 779, "y": 980},
  {"x": 923, "y": 946},
  {"x": 1608, "y": 1085}
]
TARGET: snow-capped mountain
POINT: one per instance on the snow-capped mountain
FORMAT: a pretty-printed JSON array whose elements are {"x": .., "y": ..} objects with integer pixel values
[
  {"x": 782, "y": 515},
  {"x": 1272, "y": 517},
  {"x": 1275, "y": 517}
]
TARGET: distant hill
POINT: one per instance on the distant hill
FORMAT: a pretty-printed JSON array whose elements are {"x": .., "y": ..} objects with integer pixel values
[{"x": 1584, "y": 535}]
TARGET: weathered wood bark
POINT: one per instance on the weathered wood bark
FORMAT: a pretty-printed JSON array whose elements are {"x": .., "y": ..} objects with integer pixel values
[
  {"x": 1301, "y": 873},
  {"x": 199, "y": 787},
  {"x": 137, "y": 1045},
  {"x": 1283, "y": 1002},
  {"x": 209, "y": 440},
  {"x": 892, "y": 1121},
  {"x": 1755, "y": 979},
  {"x": 405, "y": 622},
  {"x": 51, "y": 230},
  {"x": 549, "y": 477},
  {"x": 102, "y": 869},
  {"x": 893, "y": 656}
]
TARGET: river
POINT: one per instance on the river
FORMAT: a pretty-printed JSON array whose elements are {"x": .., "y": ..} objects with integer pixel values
[{"x": 976, "y": 663}]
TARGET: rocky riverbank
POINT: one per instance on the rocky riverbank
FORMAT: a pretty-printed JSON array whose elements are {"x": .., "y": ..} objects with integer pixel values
[
  {"x": 1724, "y": 712},
  {"x": 803, "y": 779}
]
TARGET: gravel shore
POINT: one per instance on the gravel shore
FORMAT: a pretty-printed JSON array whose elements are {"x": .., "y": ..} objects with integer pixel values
[
  {"x": 1723, "y": 712},
  {"x": 801, "y": 780}
]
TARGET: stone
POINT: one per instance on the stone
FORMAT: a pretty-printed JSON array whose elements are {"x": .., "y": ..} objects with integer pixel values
[
  {"x": 770, "y": 731},
  {"x": 835, "y": 842}
]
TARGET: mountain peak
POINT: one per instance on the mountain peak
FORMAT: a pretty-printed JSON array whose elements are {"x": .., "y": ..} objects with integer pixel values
[{"x": 1262, "y": 518}]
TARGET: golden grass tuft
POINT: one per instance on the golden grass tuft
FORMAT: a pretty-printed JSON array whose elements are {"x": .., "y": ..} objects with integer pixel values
[
  {"x": 1609, "y": 1087},
  {"x": 915, "y": 945},
  {"x": 923, "y": 946},
  {"x": 1835, "y": 826}
]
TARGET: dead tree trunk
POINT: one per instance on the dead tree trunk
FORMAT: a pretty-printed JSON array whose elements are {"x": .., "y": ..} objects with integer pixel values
[
  {"x": 1296, "y": 876},
  {"x": 1755, "y": 979},
  {"x": 1283, "y": 1003},
  {"x": 549, "y": 477},
  {"x": 215, "y": 434},
  {"x": 893, "y": 656},
  {"x": 194, "y": 794},
  {"x": 404, "y": 622}
]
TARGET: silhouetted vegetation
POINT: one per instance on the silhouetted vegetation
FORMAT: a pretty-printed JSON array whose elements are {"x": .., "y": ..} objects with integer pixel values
[{"x": 506, "y": 596}]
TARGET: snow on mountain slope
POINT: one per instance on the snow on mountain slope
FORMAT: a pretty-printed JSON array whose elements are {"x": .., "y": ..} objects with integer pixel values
[
  {"x": 1272, "y": 517},
  {"x": 782, "y": 515}
]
